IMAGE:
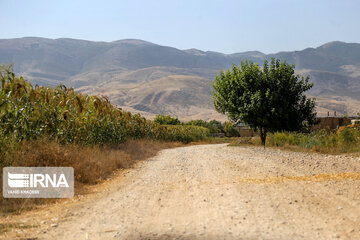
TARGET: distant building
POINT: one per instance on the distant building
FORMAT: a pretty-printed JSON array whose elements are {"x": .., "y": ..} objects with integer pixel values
[
  {"x": 355, "y": 122},
  {"x": 331, "y": 123},
  {"x": 245, "y": 130}
]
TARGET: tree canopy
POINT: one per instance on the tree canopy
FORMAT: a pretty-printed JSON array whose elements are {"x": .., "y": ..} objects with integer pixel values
[{"x": 268, "y": 99}]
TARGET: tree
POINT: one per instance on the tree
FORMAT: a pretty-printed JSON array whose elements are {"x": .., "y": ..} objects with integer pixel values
[{"x": 268, "y": 99}]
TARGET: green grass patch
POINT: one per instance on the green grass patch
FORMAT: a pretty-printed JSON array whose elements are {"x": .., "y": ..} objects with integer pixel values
[{"x": 345, "y": 140}]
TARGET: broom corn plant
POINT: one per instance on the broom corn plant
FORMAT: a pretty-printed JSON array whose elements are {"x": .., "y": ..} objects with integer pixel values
[{"x": 63, "y": 115}]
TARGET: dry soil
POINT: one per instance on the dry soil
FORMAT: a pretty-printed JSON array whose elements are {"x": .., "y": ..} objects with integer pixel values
[{"x": 213, "y": 192}]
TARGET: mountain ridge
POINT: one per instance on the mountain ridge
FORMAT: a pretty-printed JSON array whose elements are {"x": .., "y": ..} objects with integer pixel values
[{"x": 119, "y": 69}]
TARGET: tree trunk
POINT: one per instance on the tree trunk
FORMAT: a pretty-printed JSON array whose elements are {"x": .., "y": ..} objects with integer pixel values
[{"x": 263, "y": 136}]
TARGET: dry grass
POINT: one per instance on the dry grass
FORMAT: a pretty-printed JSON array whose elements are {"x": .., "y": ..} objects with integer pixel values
[
  {"x": 216, "y": 140},
  {"x": 91, "y": 164}
]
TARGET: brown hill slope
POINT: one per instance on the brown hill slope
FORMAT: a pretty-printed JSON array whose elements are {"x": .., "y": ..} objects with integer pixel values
[
  {"x": 186, "y": 97},
  {"x": 143, "y": 76}
]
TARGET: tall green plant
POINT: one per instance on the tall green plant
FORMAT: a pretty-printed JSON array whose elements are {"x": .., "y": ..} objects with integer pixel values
[{"x": 61, "y": 114}]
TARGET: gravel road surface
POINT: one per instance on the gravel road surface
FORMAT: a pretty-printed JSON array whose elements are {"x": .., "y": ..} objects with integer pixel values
[{"x": 216, "y": 192}]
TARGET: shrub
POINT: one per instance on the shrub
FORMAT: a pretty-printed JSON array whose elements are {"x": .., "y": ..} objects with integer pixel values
[
  {"x": 230, "y": 130},
  {"x": 347, "y": 139},
  {"x": 185, "y": 133},
  {"x": 198, "y": 122},
  {"x": 214, "y": 126},
  {"x": 166, "y": 119},
  {"x": 348, "y": 135}
]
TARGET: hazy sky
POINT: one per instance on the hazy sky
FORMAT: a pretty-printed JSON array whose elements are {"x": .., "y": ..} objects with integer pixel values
[{"x": 225, "y": 25}]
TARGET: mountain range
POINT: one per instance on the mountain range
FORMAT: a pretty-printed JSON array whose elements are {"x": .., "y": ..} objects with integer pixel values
[{"x": 148, "y": 78}]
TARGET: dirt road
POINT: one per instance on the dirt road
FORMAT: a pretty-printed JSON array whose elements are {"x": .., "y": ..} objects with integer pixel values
[{"x": 217, "y": 192}]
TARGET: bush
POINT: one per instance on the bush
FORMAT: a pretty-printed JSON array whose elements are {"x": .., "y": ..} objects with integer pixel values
[
  {"x": 184, "y": 134},
  {"x": 198, "y": 122},
  {"x": 214, "y": 126},
  {"x": 230, "y": 130},
  {"x": 347, "y": 139},
  {"x": 348, "y": 135},
  {"x": 166, "y": 119}
]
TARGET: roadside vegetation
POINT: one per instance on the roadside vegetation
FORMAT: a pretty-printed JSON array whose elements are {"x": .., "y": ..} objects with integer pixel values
[
  {"x": 272, "y": 101},
  {"x": 345, "y": 140},
  {"x": 44, "y": 126},
  {"x": 56, "y": 126},
  {"x": 92, "y": 164},
  {"x": 65, "y": 116},
  {"x": 214, "y": 127}
]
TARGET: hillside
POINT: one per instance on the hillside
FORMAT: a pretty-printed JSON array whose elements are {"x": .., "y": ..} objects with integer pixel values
[{"x": 149, "y": 78}]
